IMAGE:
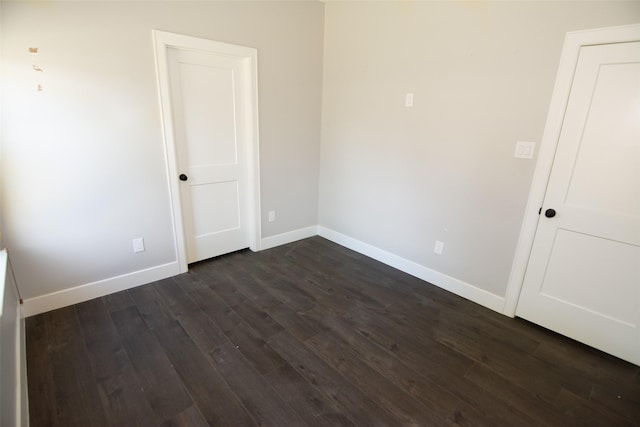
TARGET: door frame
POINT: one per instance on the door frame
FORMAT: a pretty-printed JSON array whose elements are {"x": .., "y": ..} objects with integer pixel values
[
  {"x": 568, "y": 61},
  {"x": 249, "y": 56}
]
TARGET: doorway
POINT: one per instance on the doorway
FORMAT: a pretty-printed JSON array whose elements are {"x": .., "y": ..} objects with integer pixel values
[{"x": 208, "y": 97}]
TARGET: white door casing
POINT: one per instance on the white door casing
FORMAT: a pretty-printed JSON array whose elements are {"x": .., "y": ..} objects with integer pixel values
[
  {"x": 583, "y": 265},
  {"x": 208, "y": 92}
]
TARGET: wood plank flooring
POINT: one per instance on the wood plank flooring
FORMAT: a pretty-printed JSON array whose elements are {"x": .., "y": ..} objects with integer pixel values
[{"x": 313, "y": 334}]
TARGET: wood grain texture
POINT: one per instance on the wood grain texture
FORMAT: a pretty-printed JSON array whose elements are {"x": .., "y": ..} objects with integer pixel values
[{"x": 311, "y": 334}]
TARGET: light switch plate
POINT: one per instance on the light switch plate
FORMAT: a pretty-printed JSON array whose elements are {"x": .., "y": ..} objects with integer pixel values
[
  {"x": 524, "y": 149},
  {"x": 408, "y": 100}
]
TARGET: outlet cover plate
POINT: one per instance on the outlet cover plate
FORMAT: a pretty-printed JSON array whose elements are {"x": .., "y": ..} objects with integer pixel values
[{"x": 138, "y": 245}]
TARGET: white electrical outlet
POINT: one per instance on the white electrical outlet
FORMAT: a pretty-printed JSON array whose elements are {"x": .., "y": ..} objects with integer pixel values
[
  {"x": 272, "y": 216},
  {"x": 439, "y": 246},
  {"x": 138, "y": 245}
]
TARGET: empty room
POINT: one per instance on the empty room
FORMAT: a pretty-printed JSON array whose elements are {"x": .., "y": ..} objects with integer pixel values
[{"x": 319, "y": 213}]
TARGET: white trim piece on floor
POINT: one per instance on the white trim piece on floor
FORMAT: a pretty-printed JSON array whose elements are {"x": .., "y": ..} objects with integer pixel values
[
  {"x": 13, "y": 367},
  {"x": 22, "y": 392},
  {"x": 288, "y": 237},
  {"x": 86, "y": 292},
  {"x": 441, "y": 280}
]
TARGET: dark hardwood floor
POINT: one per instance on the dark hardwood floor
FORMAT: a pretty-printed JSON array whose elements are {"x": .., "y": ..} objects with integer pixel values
[{"x": 311, "y": 333}]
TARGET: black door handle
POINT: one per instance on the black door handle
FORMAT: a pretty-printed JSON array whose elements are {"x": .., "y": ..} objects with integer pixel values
[
  {"x": 183, "y": 177},
  {"x": 550, "y": 213}
]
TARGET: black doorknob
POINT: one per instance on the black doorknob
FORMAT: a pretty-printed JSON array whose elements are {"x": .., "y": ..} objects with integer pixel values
[
  {"x": 183, "y": 177},
  {"x": 550, "y": 213}
]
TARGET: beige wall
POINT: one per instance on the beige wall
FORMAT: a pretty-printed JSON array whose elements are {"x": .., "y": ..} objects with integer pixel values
[
  {"x": 482, "y": 74},
  {"x": 83, "y": 162}
]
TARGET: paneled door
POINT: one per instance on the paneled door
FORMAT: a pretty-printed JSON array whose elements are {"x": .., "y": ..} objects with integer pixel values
[
  {"x": 209, "y": 113},
  {"x": 583, "y": 275}
]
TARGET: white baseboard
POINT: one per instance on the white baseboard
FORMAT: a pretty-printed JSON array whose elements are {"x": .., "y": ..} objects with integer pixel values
[
  {"x": 54, "y": 300},
  {"x": 458, "y": 287},
  {"x": 63, "y": 298},
  {"x": 288, "y": 237},
  {"x": 75, "y": 295}
]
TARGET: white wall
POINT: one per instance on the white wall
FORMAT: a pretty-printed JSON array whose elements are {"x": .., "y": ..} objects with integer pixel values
[
  {"x": 396, "y": 179},
  {"x": 83, "y": 162},
  {"x": 83, "y": 168}
]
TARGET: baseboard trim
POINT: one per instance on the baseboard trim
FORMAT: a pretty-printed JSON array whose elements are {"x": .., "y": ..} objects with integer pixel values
[
  {"x": 288, "y": 237},
  {"x": 75, "y": 295},
  {"x": 66, "y": 297},
  {"x": 441, "y": 280}
]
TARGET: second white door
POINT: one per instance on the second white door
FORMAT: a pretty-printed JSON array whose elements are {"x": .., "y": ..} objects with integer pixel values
[
  {"x": 209, "y": 112},
  {"x": 583, "y": 276}
]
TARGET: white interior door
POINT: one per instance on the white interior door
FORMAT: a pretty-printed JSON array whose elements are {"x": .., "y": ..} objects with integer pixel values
[
  {"x": 208, "y": 104},
  {"x": 583, "y": 275}
]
